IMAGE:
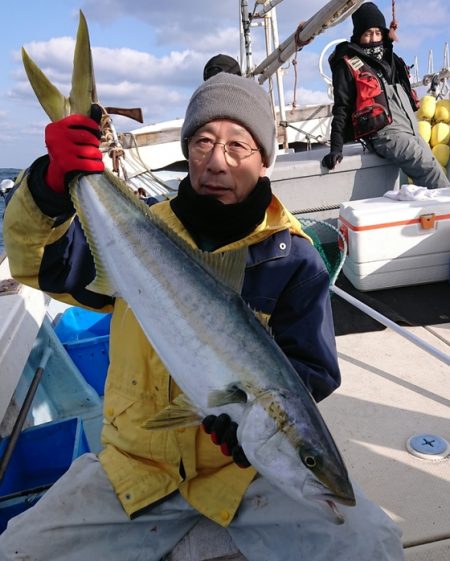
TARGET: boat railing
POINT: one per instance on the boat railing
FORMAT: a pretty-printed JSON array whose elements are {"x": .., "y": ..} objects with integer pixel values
[{"x": 437, "y": 82}]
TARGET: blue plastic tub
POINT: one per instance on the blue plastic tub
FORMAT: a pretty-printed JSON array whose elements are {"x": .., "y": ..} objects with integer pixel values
[
  {"x": 42, "y": 454},
  {"x": 85, "y": 336}
]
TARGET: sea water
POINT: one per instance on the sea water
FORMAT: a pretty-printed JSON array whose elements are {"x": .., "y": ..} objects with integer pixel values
[{"x": 5, "y": 173}]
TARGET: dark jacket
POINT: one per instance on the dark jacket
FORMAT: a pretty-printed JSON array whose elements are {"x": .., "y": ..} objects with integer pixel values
[{"x": 392, "y": 70}]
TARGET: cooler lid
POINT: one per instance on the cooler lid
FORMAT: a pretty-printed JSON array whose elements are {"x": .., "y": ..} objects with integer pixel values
[{"x": 386, "y": 211}]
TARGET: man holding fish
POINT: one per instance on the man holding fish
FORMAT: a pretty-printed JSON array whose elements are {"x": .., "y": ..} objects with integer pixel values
[{"x": 264, "y": 465}]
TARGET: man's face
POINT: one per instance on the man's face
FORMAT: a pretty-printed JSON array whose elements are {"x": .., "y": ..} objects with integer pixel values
[
  {"x": 227, "y": 177},
  {"x": 372, "y": 35}
]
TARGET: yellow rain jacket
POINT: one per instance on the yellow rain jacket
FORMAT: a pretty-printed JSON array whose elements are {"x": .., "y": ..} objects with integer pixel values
[{"x": 143, "y": 466}]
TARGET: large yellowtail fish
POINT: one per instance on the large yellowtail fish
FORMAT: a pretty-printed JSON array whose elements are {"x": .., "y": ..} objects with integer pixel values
[{"x": 188, "y": 304}]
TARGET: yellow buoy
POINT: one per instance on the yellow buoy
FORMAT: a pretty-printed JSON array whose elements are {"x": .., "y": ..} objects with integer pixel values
[
  {"x": 442, "y": 153},
  {"x": 440, "y": 134},
  {"x": 424, "y": 130},
  {"x": 442, "y": 112},
  {"x": 427, "y": 106}
]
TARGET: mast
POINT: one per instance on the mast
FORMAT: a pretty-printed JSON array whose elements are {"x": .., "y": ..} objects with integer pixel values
[
  {"x": 280, "y": 85},
  {"x": 246, "y": 41}
]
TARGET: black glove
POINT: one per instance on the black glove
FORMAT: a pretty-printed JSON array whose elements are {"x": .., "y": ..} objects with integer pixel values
[
  {"x": 330, "y": 160},
  {"x": 223, "y": 433}
]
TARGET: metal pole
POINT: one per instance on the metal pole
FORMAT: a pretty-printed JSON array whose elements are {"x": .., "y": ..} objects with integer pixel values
[
  {"x": 392, "y": 325},
  {"x": 279, "y": 76},
  {"x": 14, "y": 436}
]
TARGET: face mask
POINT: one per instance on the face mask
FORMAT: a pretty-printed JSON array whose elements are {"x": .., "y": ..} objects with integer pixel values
[{"x": 375, "y": 50}]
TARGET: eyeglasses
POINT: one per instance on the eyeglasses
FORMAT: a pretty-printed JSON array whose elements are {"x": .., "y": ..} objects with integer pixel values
[{"x": 235, "y": 150}]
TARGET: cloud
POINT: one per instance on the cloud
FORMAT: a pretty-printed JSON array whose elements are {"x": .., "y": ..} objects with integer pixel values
[
  {"x": 162, "y": 14},
  {"x": 414, "y": 14}
]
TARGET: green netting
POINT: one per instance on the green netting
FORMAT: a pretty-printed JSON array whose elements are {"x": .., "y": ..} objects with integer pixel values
[{"x": 332, "y": 255}]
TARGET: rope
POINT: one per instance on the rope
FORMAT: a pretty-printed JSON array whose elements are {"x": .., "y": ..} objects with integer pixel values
[
  {"x": 394, "y": 24},
  {"x": 115, "y": 150},
  {"x": 299, "y": 44},
  {"x": 294, "y": 64}
]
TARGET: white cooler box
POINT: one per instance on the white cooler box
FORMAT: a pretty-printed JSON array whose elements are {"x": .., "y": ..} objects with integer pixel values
[{"x": 396, "y": 243}]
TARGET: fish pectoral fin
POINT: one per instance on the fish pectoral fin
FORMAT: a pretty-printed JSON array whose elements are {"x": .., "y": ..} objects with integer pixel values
[
  {"x": 179, "y": 414},
  {"x": 232, "y": 394}
]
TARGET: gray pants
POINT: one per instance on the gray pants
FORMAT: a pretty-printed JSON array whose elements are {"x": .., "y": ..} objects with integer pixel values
[
  {"x": 413, "y": 155},
  {"x": 80, "y": 519}
]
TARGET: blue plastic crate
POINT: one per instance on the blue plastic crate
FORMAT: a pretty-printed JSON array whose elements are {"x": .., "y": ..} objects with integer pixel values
[
  {"x": 77, "y": 323},
  {"x": 85, "y": 336},
  {"x": 42, "y": 454}
]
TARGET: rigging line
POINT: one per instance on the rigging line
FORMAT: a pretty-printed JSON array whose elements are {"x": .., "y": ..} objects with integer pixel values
[{"x": 394, "y": 24}]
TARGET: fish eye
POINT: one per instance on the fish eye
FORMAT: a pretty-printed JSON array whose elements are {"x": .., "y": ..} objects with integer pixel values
[
  {"x": 309, "y": 461},
  {"x": 308, "y": 458}
]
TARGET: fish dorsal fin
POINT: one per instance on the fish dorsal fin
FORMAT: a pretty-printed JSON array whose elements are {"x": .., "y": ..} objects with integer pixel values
[{"x": 228, "y": 267}]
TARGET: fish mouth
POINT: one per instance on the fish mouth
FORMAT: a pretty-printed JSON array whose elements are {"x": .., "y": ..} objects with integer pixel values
[{"x": 317, "y": 490}]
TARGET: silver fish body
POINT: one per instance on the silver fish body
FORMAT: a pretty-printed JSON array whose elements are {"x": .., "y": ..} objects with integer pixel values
[{"x": 210, "y": 341}]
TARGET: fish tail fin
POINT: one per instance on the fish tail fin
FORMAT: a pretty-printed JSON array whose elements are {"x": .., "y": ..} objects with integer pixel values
[
  {"x": 82, "y": 94},
  {"x": 52, "y": 100}
]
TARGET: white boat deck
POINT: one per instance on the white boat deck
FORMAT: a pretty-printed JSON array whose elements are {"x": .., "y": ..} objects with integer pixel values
[{"x": 391, "y": 390}]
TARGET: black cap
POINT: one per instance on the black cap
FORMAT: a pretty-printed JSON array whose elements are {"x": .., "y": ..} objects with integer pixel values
[
  {"x": 221, "y": 63},
  {"x": 365, "y": 17}
]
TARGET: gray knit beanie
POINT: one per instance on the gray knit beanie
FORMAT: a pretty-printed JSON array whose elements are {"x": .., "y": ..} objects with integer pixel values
[{"x": 228, "y": 96}]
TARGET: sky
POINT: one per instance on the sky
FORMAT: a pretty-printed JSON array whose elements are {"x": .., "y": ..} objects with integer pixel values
[{"x": 150, "y": 54}]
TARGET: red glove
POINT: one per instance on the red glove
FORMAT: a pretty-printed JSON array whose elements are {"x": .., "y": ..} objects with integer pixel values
[
  {"x": 73, "y": 146},
  {"x": 223, "y": 432}
]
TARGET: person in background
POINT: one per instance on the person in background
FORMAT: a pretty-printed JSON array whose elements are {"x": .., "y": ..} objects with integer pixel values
[
  {"x": 5, "y": 186},
  {"x": 221, "y": 63},
  {"x": 374, "y": 101},
  {"x": 147, "y": 489}
]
